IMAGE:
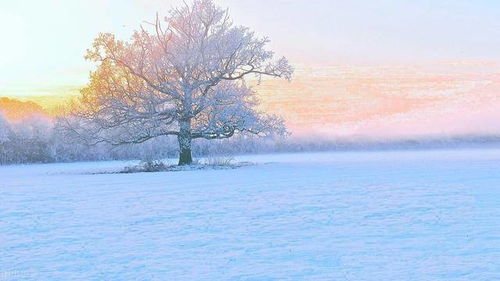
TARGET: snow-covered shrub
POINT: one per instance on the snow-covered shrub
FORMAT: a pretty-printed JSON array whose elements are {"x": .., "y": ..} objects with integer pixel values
[
  {"x": 4, "y": 129},
  {"x": 146, "y": 166}
]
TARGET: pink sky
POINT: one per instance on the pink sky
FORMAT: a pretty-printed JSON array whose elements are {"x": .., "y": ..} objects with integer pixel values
[{"x": 393, "y": 101}]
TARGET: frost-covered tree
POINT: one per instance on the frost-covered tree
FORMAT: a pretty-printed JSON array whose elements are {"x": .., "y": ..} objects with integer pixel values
[
  {"x": 4, "y": 129},
  {"x": 182, "y": 76}
]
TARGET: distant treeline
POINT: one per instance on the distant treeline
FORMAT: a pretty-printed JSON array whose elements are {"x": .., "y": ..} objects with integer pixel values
[{"x": 35, "y": 140}]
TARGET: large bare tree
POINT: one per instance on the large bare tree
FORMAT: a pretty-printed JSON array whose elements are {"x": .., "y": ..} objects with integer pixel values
[{"x": 182, "y": 76}]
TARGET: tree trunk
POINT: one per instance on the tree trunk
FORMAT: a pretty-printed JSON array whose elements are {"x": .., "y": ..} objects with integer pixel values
[{"x": 184, "y": 139}]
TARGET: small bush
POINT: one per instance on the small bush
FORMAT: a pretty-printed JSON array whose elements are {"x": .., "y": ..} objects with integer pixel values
[
  {"x": 153, "y": 166},
  {"x": 147, "y": 166}
]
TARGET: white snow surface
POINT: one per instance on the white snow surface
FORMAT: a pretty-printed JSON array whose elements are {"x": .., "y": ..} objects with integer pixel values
[{"x": 391, "y": 215}]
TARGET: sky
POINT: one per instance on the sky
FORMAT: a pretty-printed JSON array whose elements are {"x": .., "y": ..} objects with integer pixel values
[{"x": 364, "y": 67}]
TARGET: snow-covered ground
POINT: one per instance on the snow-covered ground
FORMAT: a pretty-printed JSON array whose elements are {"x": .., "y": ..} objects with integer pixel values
[{"x": 407, "y": 215}]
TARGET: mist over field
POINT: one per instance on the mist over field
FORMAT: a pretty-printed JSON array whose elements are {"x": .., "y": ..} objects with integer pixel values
[{"x": 35, "y": 140}]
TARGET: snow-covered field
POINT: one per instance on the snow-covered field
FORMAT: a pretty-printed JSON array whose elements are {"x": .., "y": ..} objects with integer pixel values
[{"x": 407, "y": 215}]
